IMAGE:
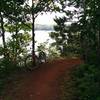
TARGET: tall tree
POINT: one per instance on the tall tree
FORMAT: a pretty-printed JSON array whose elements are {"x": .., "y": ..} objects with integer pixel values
[
  {"x": 7, "y": 13},
  {"x": 2, "y": 31},
  {"x": 60, "y": 35},
  {"x": 89, "y": 23},
  {"x": 38, "y": 7}
]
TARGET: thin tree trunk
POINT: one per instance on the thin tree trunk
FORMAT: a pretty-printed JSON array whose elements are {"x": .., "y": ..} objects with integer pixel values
[
  {"x": 33, "y": 35},
  {"x": 17, "y": 43},
  {"x": 3, "y": 34}
]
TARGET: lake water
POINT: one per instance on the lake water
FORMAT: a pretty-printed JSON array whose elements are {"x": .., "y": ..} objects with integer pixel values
[{"x": 40, "y": 36}]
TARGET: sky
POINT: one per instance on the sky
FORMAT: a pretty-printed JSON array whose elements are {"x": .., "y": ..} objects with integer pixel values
[{"x": 47, "y": 18}]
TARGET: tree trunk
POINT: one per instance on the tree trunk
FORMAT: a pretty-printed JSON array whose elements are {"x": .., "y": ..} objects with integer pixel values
[
  {"x": 33, "y": 35},
  {"x": 17, "y": 43},
  {"x": 3, "y": 34}
]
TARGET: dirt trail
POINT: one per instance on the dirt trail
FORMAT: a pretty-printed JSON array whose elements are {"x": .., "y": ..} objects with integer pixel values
[{"x": 42, "y": 83}]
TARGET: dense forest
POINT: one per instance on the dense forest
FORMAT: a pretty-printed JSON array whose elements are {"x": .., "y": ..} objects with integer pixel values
[{"x": 80, "y": 38}]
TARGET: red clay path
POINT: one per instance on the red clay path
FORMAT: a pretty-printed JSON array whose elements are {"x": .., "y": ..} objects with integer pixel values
[{"x": 42, "y": 83}]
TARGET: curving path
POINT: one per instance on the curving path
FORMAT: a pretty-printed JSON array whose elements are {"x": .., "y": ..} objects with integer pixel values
[{"x": 42, "y": 83}]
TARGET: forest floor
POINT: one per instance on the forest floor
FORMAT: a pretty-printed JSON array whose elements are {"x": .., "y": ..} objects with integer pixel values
[{"x": 41, "y": 83}]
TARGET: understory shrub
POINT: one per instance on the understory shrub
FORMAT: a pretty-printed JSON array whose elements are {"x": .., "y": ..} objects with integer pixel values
[
  {"x": 6, "y": 69},
  {"x": 87, "y": 82}
]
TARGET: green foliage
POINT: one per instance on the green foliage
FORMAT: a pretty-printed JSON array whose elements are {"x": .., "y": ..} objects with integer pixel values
[
  {"x": 67, "y": 39},
  {"x": 53, "y": 53},
  {"x": 87, "y": 82},
  {"x": 42, "y": 46},
  {"x": 87, "y": 27},
  {"x": 50, "y": 50},
  {"x": 17, "y": 46},
  {"x": 16, "y": 51},
  {"x": 15, "y": 55},
  {"x": 59, "y": 35}
]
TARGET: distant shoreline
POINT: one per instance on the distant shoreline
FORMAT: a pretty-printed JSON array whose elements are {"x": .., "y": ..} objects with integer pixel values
[{"x": 44, "y": 27}]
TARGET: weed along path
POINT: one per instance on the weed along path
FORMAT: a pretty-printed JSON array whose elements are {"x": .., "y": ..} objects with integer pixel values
[{"x": 42, "y": 83}]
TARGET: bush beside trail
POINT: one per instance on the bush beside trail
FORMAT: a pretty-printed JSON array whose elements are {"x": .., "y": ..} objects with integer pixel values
[
  {"x": 84, "y": 83},
  {"x": 87, "y": 82}
]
